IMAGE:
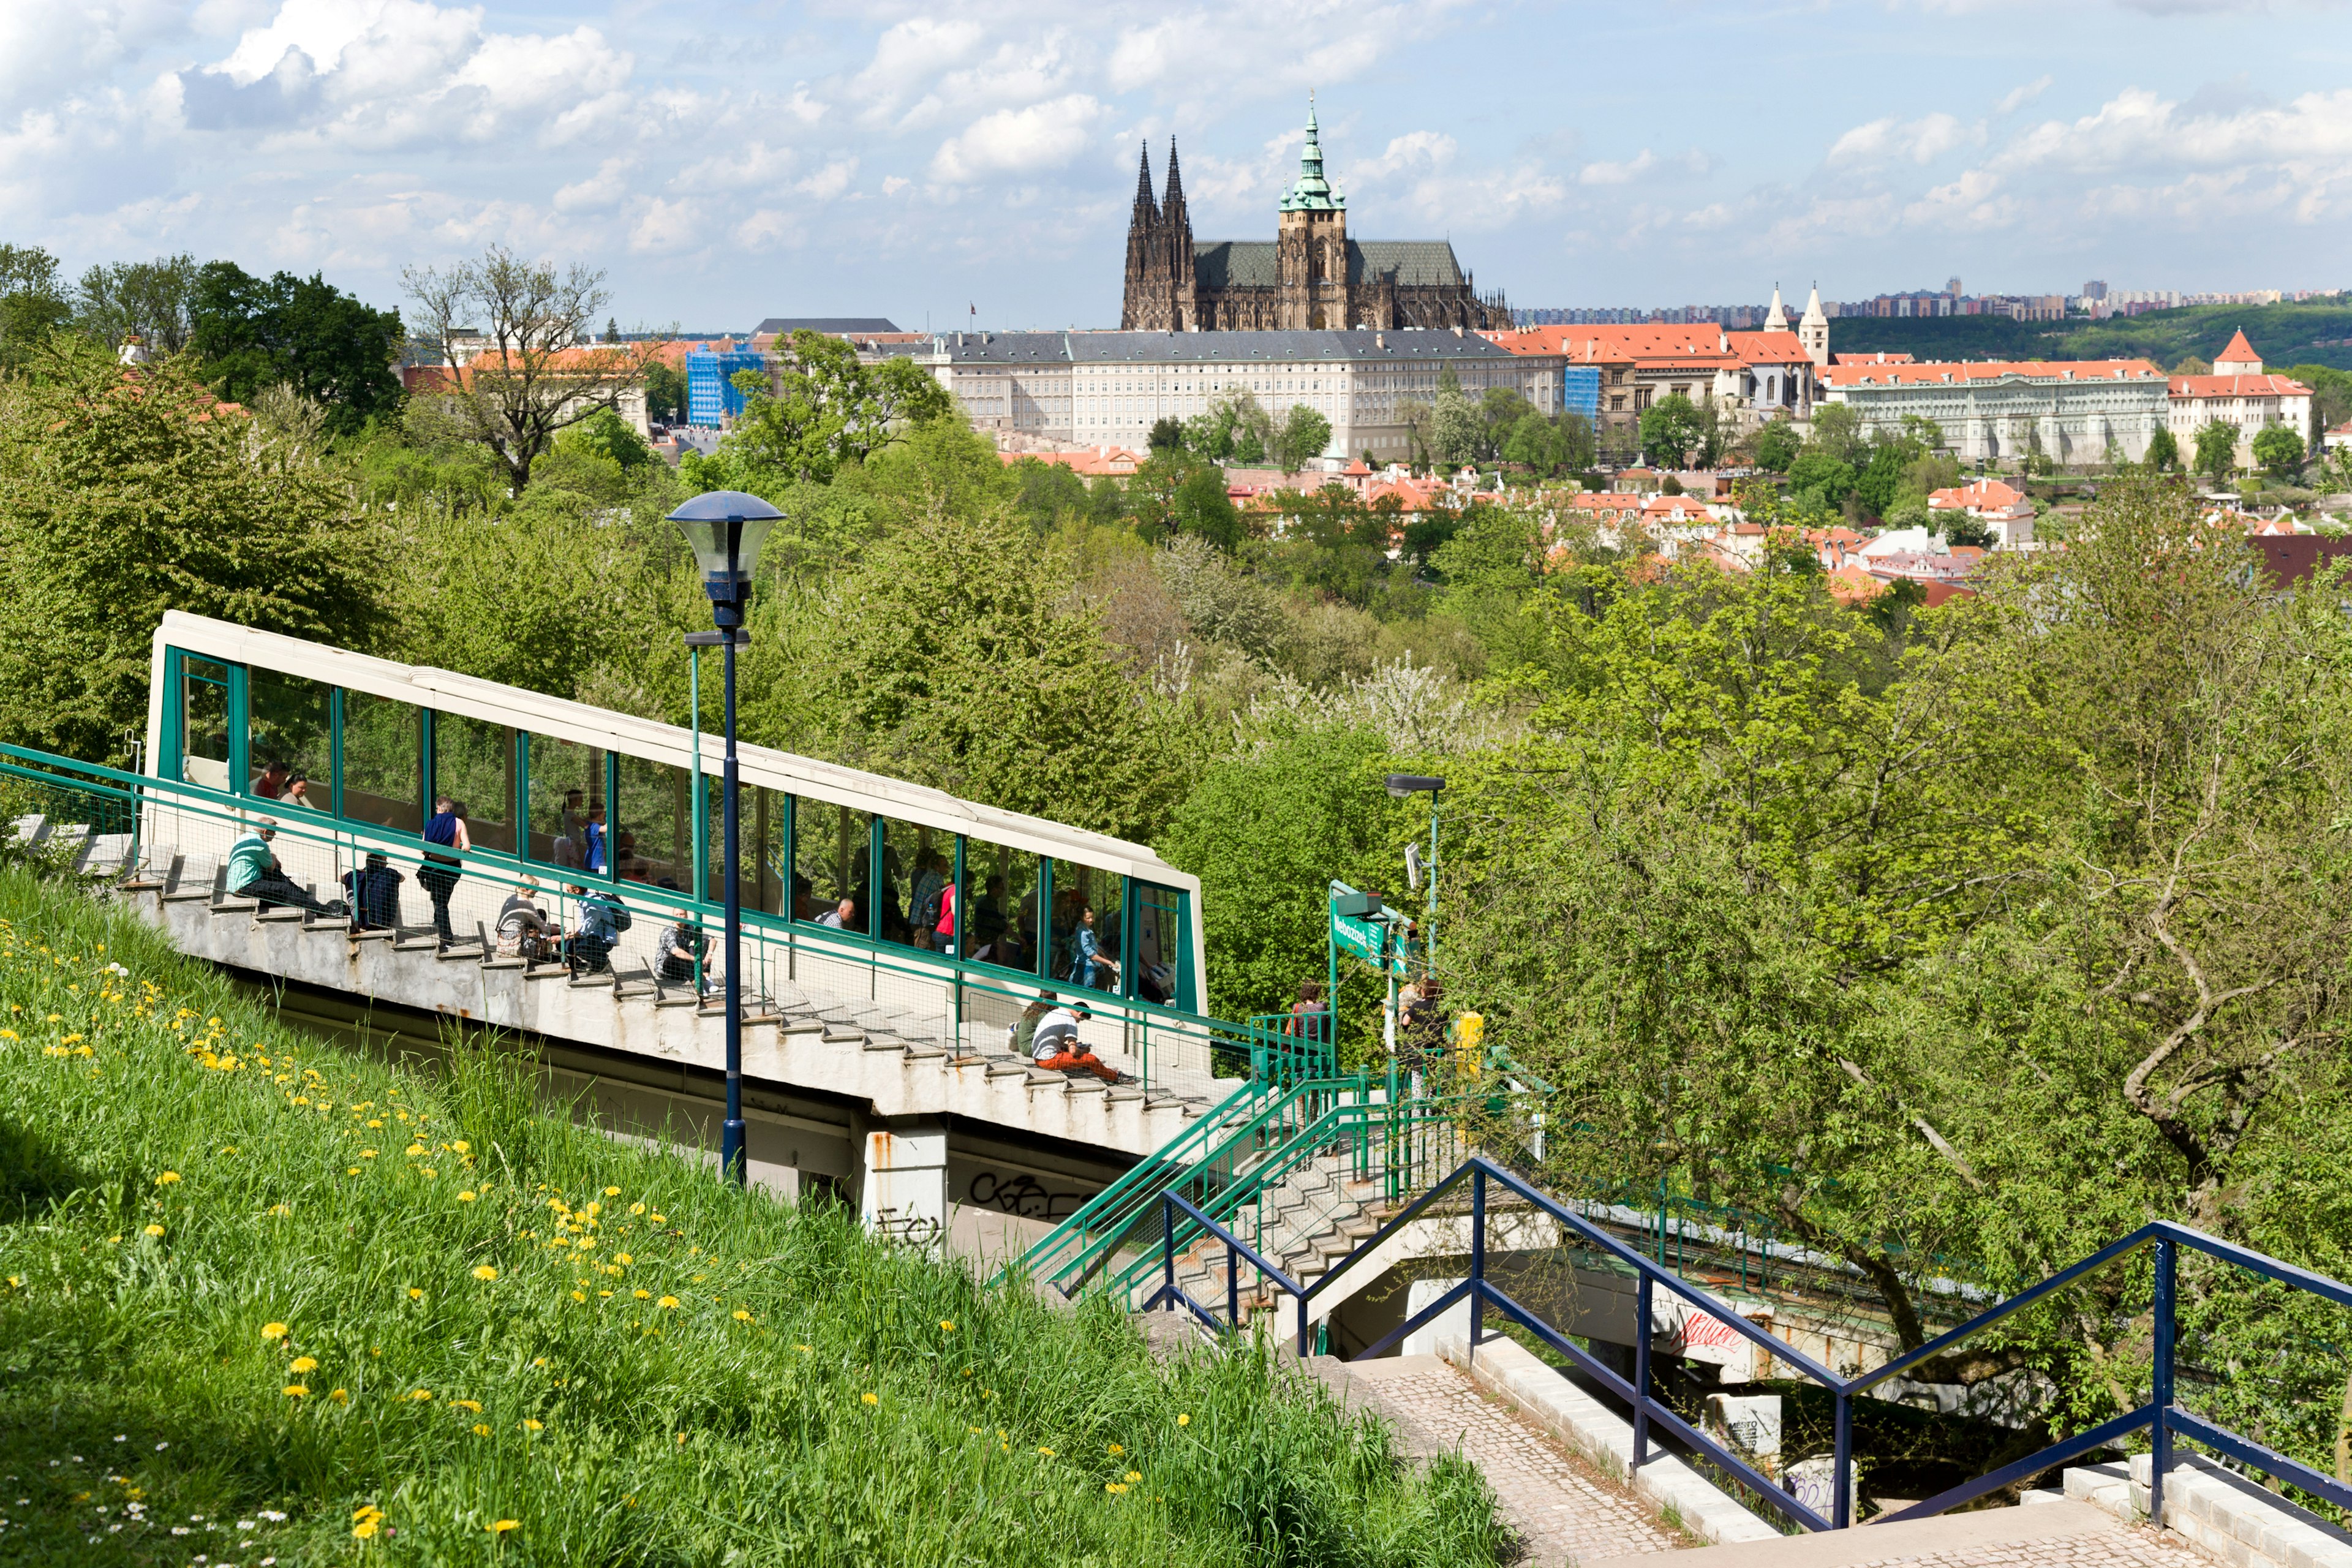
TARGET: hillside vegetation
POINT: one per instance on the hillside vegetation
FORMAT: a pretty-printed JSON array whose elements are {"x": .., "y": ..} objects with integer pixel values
[
  {"x": 2317, "y": 332},
  {"x": 264, "y": 1298}
]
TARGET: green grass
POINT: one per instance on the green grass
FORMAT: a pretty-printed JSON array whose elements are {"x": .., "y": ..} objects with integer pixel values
[{"x": 677, "y": 1373}]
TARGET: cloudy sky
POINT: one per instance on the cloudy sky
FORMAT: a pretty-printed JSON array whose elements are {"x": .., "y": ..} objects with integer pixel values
[{"x": 726, "y": 161}]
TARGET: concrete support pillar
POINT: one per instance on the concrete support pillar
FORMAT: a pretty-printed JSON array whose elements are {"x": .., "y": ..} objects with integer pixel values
[{"x": 904, "y": 1192}]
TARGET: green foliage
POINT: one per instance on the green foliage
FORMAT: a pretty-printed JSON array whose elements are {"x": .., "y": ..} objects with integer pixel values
[
  {"x": 829, "y": 408},
  {"x": 2217, "y": 451},
  {"x": 610, "y": 436},
  {"x": 122, "y": 498},
  {"x": 326, "y": 1334},
  {"x": 1819, "y": 481},
  {"x": 1671, "y": 429},
  {"x": 1300, "y": 438},
  {"x": 1837, "y": 433},
  {"x": 33, "y": 303},
  {"x": 665, "y": 393},
  {"x": 2279, "y": 450},
  {"x": 1232, "y": 429},
  {"x": 1777, "y": 446},
  {"x": 1266, "y": 832},
  {"x": 1455, "y": 431},
  {"x": 1167, "y": 434},
  {"x": 253, "y": 333},
  {"x": 152, "y": 298},
  {"x": 2165, "y": 337}
]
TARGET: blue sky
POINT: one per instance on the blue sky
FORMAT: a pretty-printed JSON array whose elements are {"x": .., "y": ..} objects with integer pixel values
[{"x": 723, "y": 163}]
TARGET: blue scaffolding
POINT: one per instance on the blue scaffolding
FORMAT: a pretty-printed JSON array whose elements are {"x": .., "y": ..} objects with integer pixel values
[
  {"x": 711, "y": 390},
  {"x": 1580, "y": 390}
]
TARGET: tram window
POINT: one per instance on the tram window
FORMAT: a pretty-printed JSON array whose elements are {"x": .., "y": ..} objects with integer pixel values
[
  {"x": 833, "y": 864},
  {"x": 569, "y": 825},
  {"x": 204, "y": 722},
  {"x": 1087, "y": 903},
  {"x": 291, "y": 739},
  {"x": 761, "y": 853},
  {"x": 653, "y": 833},
  {"x": 473, "y": 764},
  {"x": 384, "y": 761},
  {"x": 1158, "y": 959},
  {"x": 1001, "y": 886},
  {"x": 917, "y": 863}
]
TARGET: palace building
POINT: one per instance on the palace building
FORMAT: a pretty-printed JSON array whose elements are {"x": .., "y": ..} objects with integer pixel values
[{"x": 1309, "y": 277}]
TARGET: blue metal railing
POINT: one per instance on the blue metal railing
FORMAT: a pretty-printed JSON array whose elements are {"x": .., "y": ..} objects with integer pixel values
[{"x": 2161, "y": 1416}]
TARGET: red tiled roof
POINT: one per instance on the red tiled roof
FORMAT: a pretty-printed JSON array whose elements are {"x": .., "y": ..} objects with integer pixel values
[
  {"x": 1936, "y": 373},
  {"x": 2239, "y": 349},
  {"x": 1767, "y": 348},
  {"x": 2238, "y": 386},
  {"x": 1881, "y": 357},
  {"x": 1984, "y": 495}
]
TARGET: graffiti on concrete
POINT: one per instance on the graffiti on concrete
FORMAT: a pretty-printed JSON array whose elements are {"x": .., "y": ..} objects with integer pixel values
[
  {"x": 1023, "y": 1196},
  {"x": 906, "y": 1226}
]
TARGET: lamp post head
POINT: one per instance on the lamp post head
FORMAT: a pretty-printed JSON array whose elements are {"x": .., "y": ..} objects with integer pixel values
[
  {"x": 1403, "y": 785},
  {"x": 726, "y": 528}
]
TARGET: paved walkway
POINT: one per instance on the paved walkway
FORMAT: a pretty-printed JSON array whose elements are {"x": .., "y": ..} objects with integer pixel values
[
  {"x": 2045, "y": 1535},
  {"x": 1564, "y": 1513}
]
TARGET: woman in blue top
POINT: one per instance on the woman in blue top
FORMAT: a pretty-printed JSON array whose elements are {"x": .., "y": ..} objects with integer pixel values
[
  {"x": 438, "y": 876},
  {"x": 1090, "y": 966}
]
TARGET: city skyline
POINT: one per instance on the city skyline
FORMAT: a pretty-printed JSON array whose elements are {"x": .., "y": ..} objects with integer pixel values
[{"x": 815, "y": 161}]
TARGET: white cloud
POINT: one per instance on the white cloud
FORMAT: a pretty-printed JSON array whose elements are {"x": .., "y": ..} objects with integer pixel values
[
  {"x": 1605, "y": 173},
  {"x": 2018, "y": 98},
  {"x": 600, "y": 192},
  {"x": 1020, "y": 141},
  {"x": 1919, "y": 140}
]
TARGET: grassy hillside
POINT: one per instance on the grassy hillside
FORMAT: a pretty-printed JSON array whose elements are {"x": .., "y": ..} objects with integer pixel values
[
  {"x": 264, "y": 1300},
  {"x": 2319, "y": 332}
]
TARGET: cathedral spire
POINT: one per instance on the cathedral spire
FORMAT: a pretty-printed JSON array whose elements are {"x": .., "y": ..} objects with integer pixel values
[
  {"x": 1312, "y": 193},
  {"x": 1175, "y": 179},
  {"x": 1777, "y": 319},
  {"x": 1146, "y": 209}
]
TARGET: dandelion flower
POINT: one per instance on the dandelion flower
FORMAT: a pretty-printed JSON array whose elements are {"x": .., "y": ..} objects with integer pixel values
[
  {"x": 1134, "y": 1475},
  {"x": 304, "y": 1363},
  {"x": 414, "y": 1149},
  {"x": 421, "y": 1394},
  {"x": 946, "y": 1327},
  {"x": 580, "y": 1295},
  {"x": 461, "y": 1147},
  {"x": 623, "y": 1258},
  {"x": 339, "y": 1395},
  {"x": 367, "y": 1154},
  {"x": 167, "y": 1178},
  {"x": 1115, "y": 1450},
  {"x": 473, "y": 1405},
  {"x": 500, "y": 1527},
  {"x": 415, "y": 1294},
  {"x": 153, "y": 1230},
  {"x": 364, "y": 1529},
  {"x": 484, "y": 1271},
  {"x": 294, "y": 1391},
  {"x": 634, "y": 1208},
  {"x": 1047, "y": 1452},
  {"x": 480, "y": 1430},
  {"x": 533, "y": 1425},
  {"x": 612, "y": 1191},
  {"x": 1114, "y": 1486},
  {"x": 804, "y": 1350},
  {"x": 466, "y": 1197},
  {"x": 870, "y": 1398},
  {"x": 273, "y": 1331},
  {"x": 658, "y": 1220},
  {"x": 667, "y": 1302},
  {"x": 353, "y": 1171},
  {"x": 741, "y": 1316},
  {"x": 1184, "y": 1421},
  {"x": 644, "y": 1295}
]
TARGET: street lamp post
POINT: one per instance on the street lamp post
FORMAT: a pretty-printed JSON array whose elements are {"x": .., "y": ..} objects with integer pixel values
[
  {"x": 1402, "y": 786},
  {"x": 726, "y": 528}
]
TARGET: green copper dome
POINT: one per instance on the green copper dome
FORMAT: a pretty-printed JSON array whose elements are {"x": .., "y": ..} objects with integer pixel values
[{"x": 1311, "y": 193}]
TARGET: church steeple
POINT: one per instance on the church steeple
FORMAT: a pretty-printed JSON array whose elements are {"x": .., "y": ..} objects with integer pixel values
[
  {"x": 1175, "y": 182},
  {"x": 1147, "y": 211},
  {"x": 1813, "y": 330},
  {"x": 1776, "y": 320},
  {"x": 1312, "y": 193}
]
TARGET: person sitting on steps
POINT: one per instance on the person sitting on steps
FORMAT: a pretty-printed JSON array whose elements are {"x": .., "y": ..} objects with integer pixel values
[
  {"x": 254, "y": 873},
  {"x": 374, "y": 890},
  {"x": 1057, "y": 1045}
]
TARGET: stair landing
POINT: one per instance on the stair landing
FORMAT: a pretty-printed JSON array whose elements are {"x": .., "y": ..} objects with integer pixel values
[{"x": 2043, "y": 1535}]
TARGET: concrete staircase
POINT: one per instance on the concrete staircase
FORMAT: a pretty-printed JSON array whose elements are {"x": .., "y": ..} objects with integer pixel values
[{"x": 84, "y": 852}]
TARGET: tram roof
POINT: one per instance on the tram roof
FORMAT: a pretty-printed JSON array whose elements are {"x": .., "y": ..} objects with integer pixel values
[{"x": 447, "y": 691}]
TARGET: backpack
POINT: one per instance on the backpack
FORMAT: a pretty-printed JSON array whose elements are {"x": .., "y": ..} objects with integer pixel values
[
  {"x": 928, "y": 917},
  {"x": 621, "y": 916}
]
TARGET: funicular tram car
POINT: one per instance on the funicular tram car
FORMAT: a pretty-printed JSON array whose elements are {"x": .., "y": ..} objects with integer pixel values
[{"x": 841, "y": 870}]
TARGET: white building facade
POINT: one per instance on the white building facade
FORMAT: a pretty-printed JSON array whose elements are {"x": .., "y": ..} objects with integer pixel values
[
  {"x": 1112, "y": 387},
  {"x": 2079, "y": 411},
  {"x": 2238, "y": 393}
]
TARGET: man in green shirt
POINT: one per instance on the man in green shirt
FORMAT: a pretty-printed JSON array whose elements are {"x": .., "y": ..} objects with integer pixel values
[{"x": 254, "y": 873}]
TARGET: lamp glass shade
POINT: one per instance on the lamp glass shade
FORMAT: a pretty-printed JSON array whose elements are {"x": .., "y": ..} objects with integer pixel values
[
  {"x": 713, "y": 522},
  {"x": 1403, "y": 784}
]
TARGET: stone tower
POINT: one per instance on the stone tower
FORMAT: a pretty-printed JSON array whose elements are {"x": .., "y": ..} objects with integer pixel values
[
  {"x": 1144, "y": 268},
  {"x": 1163, "y": 283},
  {"x": 1814, "y": 331},
  {"x": 1311, "y": 246}
]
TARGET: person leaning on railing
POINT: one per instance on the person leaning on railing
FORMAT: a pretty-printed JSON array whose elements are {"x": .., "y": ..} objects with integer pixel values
[
  {"x": 254, "y": 873},
  {"x": 438, "y": 876},
  {"x": 681, "y": 947}
]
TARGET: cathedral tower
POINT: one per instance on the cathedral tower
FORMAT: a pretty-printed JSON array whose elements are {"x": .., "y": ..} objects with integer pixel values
[
  {"x": 1145, "y": 267},
  {"x": 1311, "y": 246}
]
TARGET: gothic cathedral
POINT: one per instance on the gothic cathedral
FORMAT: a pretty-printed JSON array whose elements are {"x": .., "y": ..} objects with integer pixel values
[{"x": 1309, "y": 277}]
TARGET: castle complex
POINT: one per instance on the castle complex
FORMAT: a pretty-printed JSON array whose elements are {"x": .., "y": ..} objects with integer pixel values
[{"x": 1311, "y": 276}]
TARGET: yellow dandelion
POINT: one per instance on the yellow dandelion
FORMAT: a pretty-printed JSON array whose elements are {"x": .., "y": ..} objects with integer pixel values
[
  {"x": 421, "y": 1394},
  {"x": 480, "y": 1430},
  {"x": 466, "y": 1197},
  {"x": 531, "y": 1425},
  {"x": 1047, "y": 1452},
  {"x": 416, "y": 1294},
  {"x": 580, "y": 1295},
  {"x": 1134, "y": 1475},
  {"x": 167, "y": 1178},
  {"x": 612, "y": 1191},
  {"x": 367, "y": 1154},
  {"x": 273, "y": 1331},
  {"x": 339, "y": 1395},
  {"x": 364, "y": 1529},
  {"x": 294, "y": 1391},
  {"x": 1114, "y": 1486},
  {"x": 667, "y": 1302},
  {"x": 634, "y": 1208},
  {"x": 804, "y": 1350},
  {"x": 304, "y": 1363},
  {"x": 870, "y": 1398},
  {"x": 658, "y": 1220},
  {"x": 623, "y": 1258},
  {"x": 461, "y": 1147},
  {"x": 153, "y": 1230},
  {"x": 353, "y": 1171},
  {"x": 414, "y": 1149},
  {"x": 475, "y": 1405},
  {"x": 741, "y": 1316},
  {"x": 946, "y": 1327},
  {"x": 1115, "y": 1450},
  {"x": 1184, "y": 1421},
  {"x": 484, "y": 1271},
  {"x": 644, "y": 1295}
]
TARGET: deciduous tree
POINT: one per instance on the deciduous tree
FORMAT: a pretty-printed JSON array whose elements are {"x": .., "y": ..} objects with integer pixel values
[{"x": 255, "y": 332}]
